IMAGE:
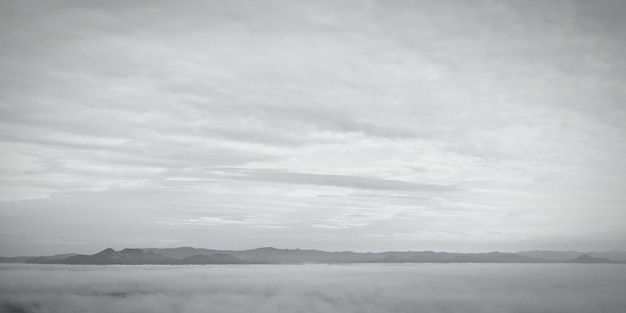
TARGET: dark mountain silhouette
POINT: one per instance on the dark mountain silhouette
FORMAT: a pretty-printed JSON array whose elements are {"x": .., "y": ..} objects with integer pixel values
[
  {"x": 42, "y": 260},
  {"x": 183, "y": 252},
  {"x": 218, "y": 258},
  {"x": 52, "y": 259},
  {"x": 563, "y": 256},
  {"x": 126, "y": 256},
  {"x": 16, "y": 259},
  {"x": 269, "y": 255},
  {"x": 551, "y": 255},
  {"x": 585, "y": 258},
  {"x": 615, "y": 255},
  {"x": 137, "y": 256}
]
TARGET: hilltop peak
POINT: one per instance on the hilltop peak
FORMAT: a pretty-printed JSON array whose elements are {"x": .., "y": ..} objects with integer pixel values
[
  {"x": 586, "y": 258},
  {"x": 107, "y": 251},
  {"x": 132, "y": 251},
  {"x": 266, "y": 249}
]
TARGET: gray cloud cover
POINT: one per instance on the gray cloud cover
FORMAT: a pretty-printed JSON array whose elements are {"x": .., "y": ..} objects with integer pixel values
[
  {"x": 442, "y": 125},
  {"x": 485, "y": 288}
]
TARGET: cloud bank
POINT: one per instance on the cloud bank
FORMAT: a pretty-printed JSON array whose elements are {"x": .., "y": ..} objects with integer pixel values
[{"x": 510, "y": 288}]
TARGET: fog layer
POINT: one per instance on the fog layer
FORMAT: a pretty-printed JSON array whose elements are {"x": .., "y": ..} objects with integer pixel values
[{"x": 483, "y": 288}]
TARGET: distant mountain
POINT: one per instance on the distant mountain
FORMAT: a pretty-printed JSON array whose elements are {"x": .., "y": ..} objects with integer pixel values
[
  {"x": 269, "y": 255},
  {"x": 585, "y": 258},
  {"x": 218, "y": 258},
  {"x": 615, "y": 255},
  {"x": 137, "y": 256},
  {"x": 563, "y": 256},
  {"x": 61, "y": 256},
  {"x": 109, "y": 256},
  {"x": 182, "y": 252},
  {"x": 17, "y": 259},
  {"x": 551, "y": 255}
]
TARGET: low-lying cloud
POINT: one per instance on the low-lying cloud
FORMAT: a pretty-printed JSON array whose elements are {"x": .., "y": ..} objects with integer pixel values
[{"x": 314, "y": 288}]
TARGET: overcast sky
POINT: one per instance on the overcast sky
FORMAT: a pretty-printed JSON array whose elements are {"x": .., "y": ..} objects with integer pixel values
[{"x": 337, "y": 125}]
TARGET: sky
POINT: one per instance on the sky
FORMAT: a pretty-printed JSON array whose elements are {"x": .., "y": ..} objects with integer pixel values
[{"x": 336, "y": 125}]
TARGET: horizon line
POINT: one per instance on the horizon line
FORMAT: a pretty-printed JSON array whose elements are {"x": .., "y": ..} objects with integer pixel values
[{"x": 331, "y": 251}]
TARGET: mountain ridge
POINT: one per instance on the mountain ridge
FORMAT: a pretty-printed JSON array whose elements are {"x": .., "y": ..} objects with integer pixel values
[{"x": 271, "y": 255}]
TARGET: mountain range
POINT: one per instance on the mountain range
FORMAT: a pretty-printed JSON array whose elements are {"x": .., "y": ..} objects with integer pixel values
[{"x": 268, "y": 255}]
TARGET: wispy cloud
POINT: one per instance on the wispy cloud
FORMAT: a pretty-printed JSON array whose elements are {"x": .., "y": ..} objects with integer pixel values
[
  {"x": 489, "y": 108},
  {"x": 342, "y": 181}
]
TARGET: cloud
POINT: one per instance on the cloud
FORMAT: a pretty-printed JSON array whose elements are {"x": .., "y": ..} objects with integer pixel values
[
  {"x": 345, "y": 181},
  {"x": 490, "y": 109},
  {"x": 313, "y": 288},
  {"x": 342, "y": 181}
]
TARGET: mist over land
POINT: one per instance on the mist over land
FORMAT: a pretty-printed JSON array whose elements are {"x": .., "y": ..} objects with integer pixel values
[{"x": 375, "y": 288}]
